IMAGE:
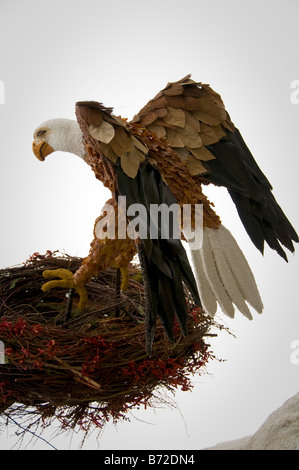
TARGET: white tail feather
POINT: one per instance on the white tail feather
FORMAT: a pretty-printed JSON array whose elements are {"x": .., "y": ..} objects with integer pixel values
[
  {"x": 223, "y": 275},
  {"x": 205, "y": 290},
  {"x": 241, "y": 270},
  {"x": 214, "y": 277}
]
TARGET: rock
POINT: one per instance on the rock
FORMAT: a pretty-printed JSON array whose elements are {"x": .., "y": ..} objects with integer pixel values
[{"x": 280, "y": 431}]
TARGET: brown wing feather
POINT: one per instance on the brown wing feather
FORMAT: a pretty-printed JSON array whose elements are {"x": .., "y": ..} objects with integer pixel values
[
  {"x": 109, "y": 135},
  {"x": 189, "y": 115}
]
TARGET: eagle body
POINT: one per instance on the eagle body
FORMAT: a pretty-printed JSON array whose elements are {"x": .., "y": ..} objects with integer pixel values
[{"x": 181, "y": 140}]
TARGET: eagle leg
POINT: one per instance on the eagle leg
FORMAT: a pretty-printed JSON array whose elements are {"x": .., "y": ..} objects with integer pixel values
[{"x": 107, "y": 252}]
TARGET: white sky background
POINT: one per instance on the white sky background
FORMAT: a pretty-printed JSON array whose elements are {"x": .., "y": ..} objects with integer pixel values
[{"x": 53, "y": 54}]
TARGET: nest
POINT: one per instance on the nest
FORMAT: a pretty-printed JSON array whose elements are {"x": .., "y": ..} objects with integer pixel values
[{"x": 86, "y": 368}]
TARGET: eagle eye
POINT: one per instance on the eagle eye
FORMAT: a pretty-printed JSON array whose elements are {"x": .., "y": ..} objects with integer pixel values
[{"x": 41, "y": 133}]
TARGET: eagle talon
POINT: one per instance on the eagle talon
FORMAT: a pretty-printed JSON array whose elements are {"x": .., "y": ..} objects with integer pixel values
[{"x": 66, "y": 280}]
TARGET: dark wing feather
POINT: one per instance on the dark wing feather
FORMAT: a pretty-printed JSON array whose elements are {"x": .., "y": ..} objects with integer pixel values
[
  {"x": 164, "y": 261},
  {"x": 191, "y": 117},
  {"x": 252, "y": 194}
]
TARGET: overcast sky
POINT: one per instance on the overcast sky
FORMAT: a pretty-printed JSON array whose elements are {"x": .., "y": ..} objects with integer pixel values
[{"x": 53, "y": 54}]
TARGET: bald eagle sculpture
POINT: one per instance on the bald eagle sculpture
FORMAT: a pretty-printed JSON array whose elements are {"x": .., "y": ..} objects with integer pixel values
[{"x": 182, "y": 139}]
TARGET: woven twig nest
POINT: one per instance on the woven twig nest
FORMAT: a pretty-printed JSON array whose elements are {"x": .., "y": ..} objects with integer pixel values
[{"x": 85, "y": 368}]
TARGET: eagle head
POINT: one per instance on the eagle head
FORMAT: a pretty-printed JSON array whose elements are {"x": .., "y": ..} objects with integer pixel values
[{"x": 58, "y": 135}]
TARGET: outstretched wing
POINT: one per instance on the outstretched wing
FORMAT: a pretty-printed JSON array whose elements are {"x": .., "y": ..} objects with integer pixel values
[
  {"x": 164, "y": 262},
  {"x": 191, "y": 117}
]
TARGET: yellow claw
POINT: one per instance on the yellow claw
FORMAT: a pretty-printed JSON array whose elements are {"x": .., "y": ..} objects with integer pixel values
[{"x": 66, "y": 280}]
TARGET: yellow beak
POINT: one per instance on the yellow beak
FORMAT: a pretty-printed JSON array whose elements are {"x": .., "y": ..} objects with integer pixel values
[{"x": 41, "y": 150}]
